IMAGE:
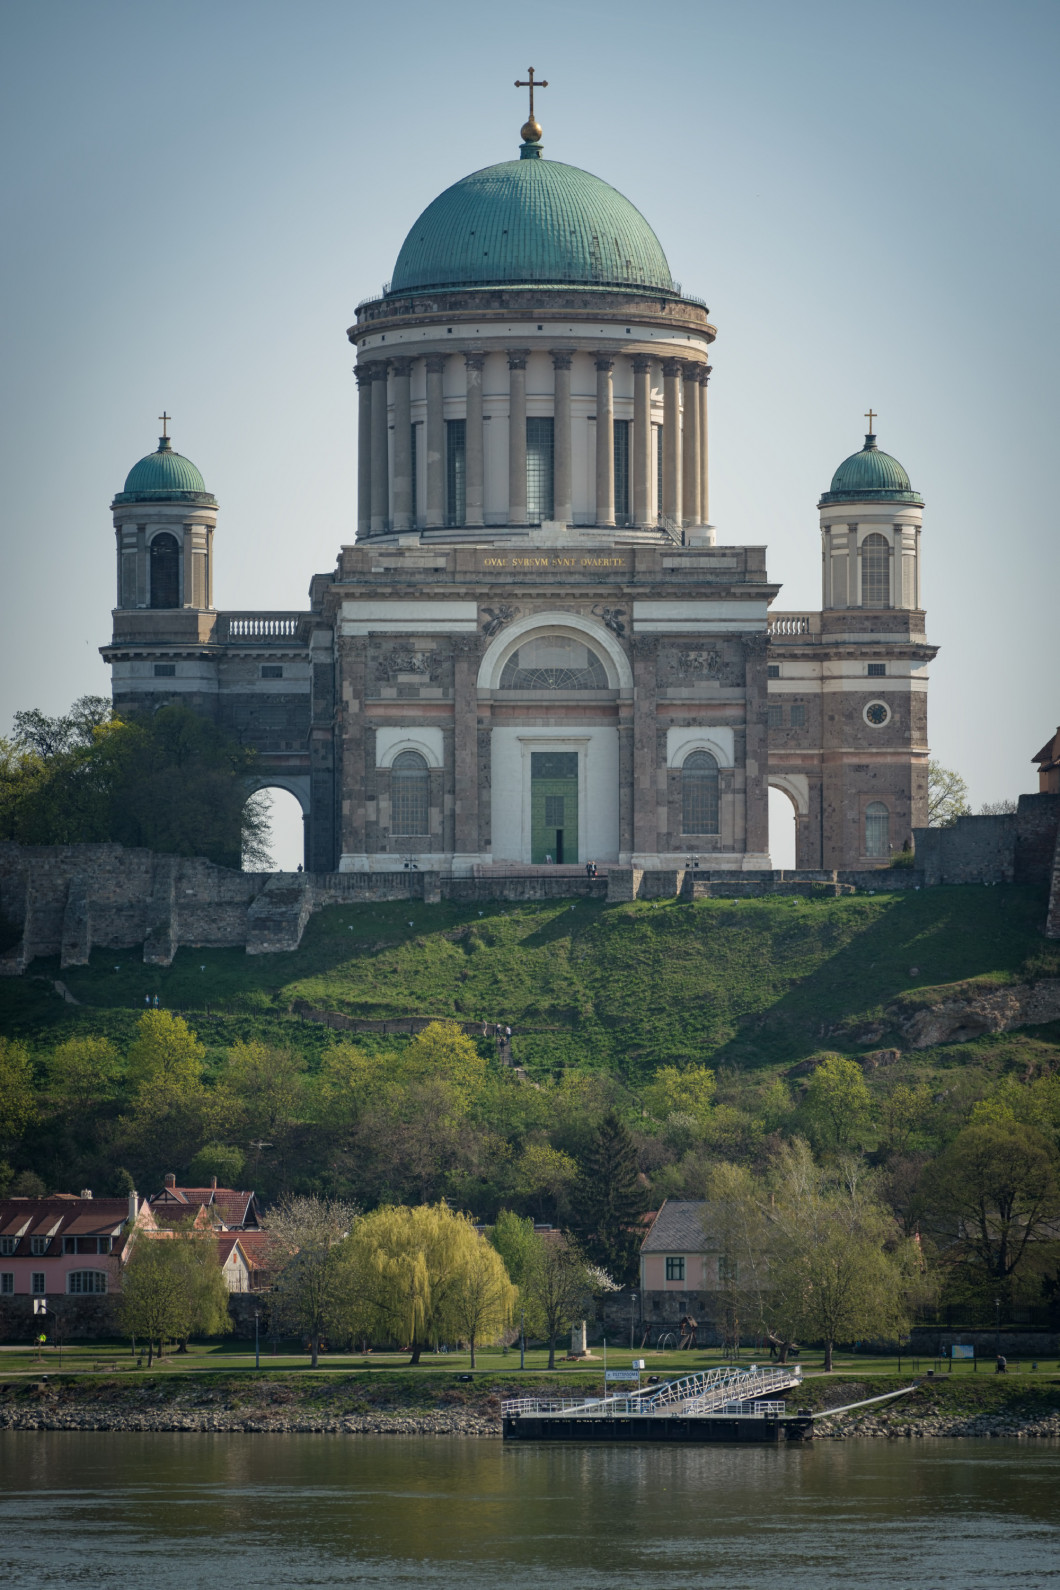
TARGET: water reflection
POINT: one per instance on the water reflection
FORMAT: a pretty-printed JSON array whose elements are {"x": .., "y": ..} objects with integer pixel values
[{"x": 181, "y": 1511}]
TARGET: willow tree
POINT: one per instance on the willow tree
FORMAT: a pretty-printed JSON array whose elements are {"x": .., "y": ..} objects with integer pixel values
[{"x": 427, "y": 1275}]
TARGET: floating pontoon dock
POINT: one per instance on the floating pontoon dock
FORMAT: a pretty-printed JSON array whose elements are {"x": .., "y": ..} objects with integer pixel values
[{"x": 715, "y": 1405}]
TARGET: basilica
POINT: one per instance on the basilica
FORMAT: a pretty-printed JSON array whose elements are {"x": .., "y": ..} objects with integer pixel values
[{"x": 535, "y": 653}]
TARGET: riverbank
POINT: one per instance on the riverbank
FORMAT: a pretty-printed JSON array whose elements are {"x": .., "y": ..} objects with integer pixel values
[{"x": 407, "y": 1404}]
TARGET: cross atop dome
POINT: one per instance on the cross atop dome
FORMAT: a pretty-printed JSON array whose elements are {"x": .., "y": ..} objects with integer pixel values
[{"x": 530, "y": 132}]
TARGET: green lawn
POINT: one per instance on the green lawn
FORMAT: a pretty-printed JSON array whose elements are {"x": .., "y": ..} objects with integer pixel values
[{"x": 750, "y": 985}]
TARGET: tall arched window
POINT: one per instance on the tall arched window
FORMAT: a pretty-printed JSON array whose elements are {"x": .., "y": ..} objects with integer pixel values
[
  {"x": 877, "y": 829},
  {"x": 165, "y": 571},
  {"x": 875, "y": 572},
  {"x": 410, "y": 788},
  {"x": 699, "y": 794}
]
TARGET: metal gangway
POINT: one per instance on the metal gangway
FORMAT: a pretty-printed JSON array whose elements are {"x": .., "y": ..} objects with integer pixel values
[{"x": 747, "y": 1393}]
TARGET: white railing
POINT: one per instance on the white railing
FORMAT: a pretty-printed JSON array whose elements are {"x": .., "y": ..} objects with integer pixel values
[
  {"x": 785, "y": 624},
  {"x": 710, "y": 1391},
  {"x": 255, "y": 628}
]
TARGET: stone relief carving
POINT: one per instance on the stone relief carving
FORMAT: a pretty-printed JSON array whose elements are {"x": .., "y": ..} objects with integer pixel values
[
  {"x": 496, "y": 618},
  {"x": 699, "y": 663},
  {"x": 612, "y": 617},
  {"x": 403, "y": 660}
]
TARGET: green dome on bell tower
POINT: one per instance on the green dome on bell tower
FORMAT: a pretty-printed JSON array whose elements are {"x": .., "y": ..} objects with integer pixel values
[{"x": 870, "y": 476}]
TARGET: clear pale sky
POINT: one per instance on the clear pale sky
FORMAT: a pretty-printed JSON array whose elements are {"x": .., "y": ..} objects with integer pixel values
[{"x": 196, "y": 196}]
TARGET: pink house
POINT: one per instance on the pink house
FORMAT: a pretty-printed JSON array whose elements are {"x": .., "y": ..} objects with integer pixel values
[{"x": 64, "y": 1246}]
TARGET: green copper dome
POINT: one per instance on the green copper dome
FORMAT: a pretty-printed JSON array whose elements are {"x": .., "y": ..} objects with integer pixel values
[
  {"x": 870, "y": 476},
  {"x": 164, "y": 476},
  {"x": 528, "y": 221}
]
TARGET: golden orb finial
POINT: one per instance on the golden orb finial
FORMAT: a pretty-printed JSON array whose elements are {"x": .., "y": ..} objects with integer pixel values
[{"x": 530, "y": 132}]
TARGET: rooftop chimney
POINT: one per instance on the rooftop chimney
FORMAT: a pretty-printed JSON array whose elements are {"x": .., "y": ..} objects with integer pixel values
[
  {"x": 134, "y": 1206},
  {"x": 86, "y": 1192},
  {"x": 213, "y": 1183},
  {"x": 171, "y": 1180}
]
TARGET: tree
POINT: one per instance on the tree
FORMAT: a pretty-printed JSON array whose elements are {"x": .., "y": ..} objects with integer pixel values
[
  {"x": 484, "y": 1296},
  {"x": 80, "y": 1071},
  {"x": 837, "y": 1105},
  {"x": 689, "y": 1092},
  {"x": 557, "y": 1287},
  {"x": 217, "y": 1159},
  {"x": 831, "y": 1276},
  {"x": 1002, "y": 808},
  {"x": 442, "y": 1052},
  {"x": 611, "y": 1198},
  {"x": 412, "y": 1263},
  {"x": 199, "y": 1260},
  {"x": 998, "y": 1184},
  {"x": 543, "y": 1178},
  {"x": 267, "y": 1092},
  {"x": 947, "y": 796},
  {"x": 18, "y": 1104},
  {"x": 315, "y": 1292},
  {"x": 156, "y": 1301},
  {"x": 735, "y": 1227},
  {"x": 514, "y": 1239},
  {"x": 165, "y": 1048}
]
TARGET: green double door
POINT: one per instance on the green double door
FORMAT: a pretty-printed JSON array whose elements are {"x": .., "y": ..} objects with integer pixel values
[{"x": 553, "y": 806}]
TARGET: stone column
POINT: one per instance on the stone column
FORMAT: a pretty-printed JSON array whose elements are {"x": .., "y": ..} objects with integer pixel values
[
  {"x": 465, "y": 771},
  {"x": 671, "y": 481},
  {"x": 363, "y": 372},
  {"x": 704, "y": 456},
  {"x": 605, "y": 440},
  {"x": 434, "y": 518},
  {"x": 562, "y": 491},
  {"x": 642, "y": 514},
  {"x": 645, "y": 746},
  {"x": 474, "y": 474},
  {"x": 402, "y": 372},
  {"x": 380, "y": 476},
  {"x": 690, "y": 446},
  {"x": 517, "y": 358}
]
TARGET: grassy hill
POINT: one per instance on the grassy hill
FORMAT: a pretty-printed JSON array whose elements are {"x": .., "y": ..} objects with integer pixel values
[{"x": 747, "y": 987}]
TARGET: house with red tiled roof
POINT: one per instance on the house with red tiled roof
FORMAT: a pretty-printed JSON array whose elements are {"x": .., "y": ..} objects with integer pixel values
[
  {"x": 65, "y": 1246},
  {"x": 227, "y": 1209}
]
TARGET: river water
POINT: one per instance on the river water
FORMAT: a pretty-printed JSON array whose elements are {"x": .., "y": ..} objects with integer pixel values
[{"x": 187, "y": 1512}]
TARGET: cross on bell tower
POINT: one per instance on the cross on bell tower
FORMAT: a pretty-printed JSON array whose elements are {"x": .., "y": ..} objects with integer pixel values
[{"x": 531, "y": 128}]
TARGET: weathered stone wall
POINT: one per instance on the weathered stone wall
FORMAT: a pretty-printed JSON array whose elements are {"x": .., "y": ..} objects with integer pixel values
[{"x": 1016, "y": 848}]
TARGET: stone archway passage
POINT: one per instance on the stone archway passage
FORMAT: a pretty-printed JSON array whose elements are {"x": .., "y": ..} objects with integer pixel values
[{"x": 286, "y": 828}]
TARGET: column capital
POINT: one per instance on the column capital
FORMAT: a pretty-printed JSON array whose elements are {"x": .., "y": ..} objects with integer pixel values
[
  {"x": 704, "y": 374},
  {"x": 605, "y": 361},
  {"x": 561, "y": 358},
  {"x": 436, "y": 363},
  {"x": 517, "y": 358},
  {"x": 672, "y": 367},
  {"x": 693, "y": 370},
  {"x": 641, "y": 363},
  {"x": 379, "y": 368},
  {"x": 473, "y": 359},
  {"x": 401, "y": 367},
  {"x": 363, "y": 374}
]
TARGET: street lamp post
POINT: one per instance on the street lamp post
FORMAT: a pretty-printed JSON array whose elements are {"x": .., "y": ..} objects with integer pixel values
[
  {"x": 522, "y": 1338},
  {"x": 632, "y": 1317},
  {"x": 257, "y": 1344},
  {"x": 997, "y": 1327}
]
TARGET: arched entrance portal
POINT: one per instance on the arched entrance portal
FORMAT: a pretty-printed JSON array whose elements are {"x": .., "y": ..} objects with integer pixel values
[
  {"x": 782, "y": 818},
  {"x": 285, "y": 828}
]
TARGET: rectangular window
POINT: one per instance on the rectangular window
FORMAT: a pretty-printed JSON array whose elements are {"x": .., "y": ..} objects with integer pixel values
[
  {"x": 773, "y": 671},
  {"x": 38, "y": 1246},
  {"x": 775, "y": 717},
  {"x": 7, "y": 1283},
  {"x": 198, "y": 579},
  {"x": 455, "y": 472},
  {"x": 554, "y": 811},
  {"x": 622, "y": 471},
  {"x": 539, "y": 479},
  {"x": 128, "y": 579},
  {"x": 8, "y": 1246},
  {"x": 412, "y": 455},
  {"x": 798, "y": 716},
  {"x": 272, "y": 670},
  {"x": 165, "y": 670},
  {"x": 69, "y": 1244},
  {"x": 877, "y": 670},
  {"x": 675, "y": 1269},
  {"x": 37, "y": 1283},
  {"x": 86, "y": 1281}
]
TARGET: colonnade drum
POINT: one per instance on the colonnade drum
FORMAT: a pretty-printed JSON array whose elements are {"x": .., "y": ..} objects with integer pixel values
[{"x": 522, "y": 437}]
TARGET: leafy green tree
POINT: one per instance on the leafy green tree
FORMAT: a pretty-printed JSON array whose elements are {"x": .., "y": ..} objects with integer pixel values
[
  {"x": 514, "y": 1239},
  {"x": 18, "y": 1103},
  {"x": 416, "y": 1268},
  {"x": 80, "y": 1072},
  {"x": 484, "y": 1296},
  {"x": 947, "y": 796},
  {"x": 442, "y": 1052},
  {"x": 543, "y": 1177},
  {"x": 164, "y": 1049},
  {"x": 156, "y": 1299},
  {"x": 687, "y": 1092},
  {"x": 315, "y": 1292},
  {"x": 557, "y": 1288},
  {"x": 266, "y": 1087},
  {"x": 838, "y": 1105},
  {"x": 998, "y": 1186},
  {"x": 216, "y": 1159},
  {"x": 611, "y": 1198}
]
